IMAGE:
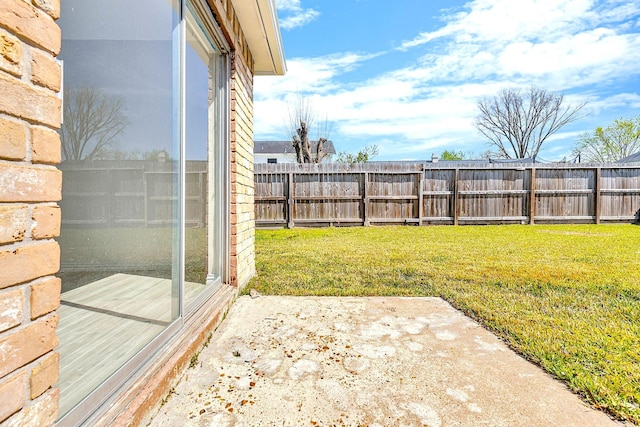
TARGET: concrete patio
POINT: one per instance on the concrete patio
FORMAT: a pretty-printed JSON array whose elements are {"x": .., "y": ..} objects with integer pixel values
[{"x": 331, "y": 361}]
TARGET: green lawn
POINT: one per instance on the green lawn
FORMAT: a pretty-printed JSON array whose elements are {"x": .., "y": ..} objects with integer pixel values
[{"x": 566, "y": 297}]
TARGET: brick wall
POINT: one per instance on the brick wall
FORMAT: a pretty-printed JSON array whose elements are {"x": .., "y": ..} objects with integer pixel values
[
  {"x": 242, "y": 185},
  {"x": 30, "y": 186}
]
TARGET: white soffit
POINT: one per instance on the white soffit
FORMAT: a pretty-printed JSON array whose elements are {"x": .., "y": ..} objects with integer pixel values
[{"x": 259, "y": 22}]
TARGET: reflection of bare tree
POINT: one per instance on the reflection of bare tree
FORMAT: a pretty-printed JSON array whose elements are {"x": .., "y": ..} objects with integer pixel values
[{"x": 92, "y": 120}]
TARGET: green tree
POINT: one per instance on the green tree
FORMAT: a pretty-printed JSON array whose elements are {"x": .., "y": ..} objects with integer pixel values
[
  {"x": 362, "y": 156},
  {"x": 453, "y": 155},
  {"x": 611, "y": 143}
]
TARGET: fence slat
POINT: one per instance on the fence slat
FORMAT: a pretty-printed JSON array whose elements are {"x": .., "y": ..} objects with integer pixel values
[
  {"x": 467, "y": 194},
  {"x": 141, "y": 193}
]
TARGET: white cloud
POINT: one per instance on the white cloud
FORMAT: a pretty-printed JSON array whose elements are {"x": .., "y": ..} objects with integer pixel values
[
  {"x": 627, "y": 101},
  {"x": 568, "y": 46},
  {"x": 318, "y": 75},
  {"x": 293, "y": 15}
]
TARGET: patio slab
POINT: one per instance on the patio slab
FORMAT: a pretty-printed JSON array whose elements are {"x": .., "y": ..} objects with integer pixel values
[{"x": 323, "y": 361}]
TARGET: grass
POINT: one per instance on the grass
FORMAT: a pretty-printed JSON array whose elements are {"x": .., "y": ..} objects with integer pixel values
[{"x": 566, "y": 297}]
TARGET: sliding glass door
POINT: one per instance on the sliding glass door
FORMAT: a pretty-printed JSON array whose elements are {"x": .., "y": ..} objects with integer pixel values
[
  {"x": 144, "y": 207},
  {"x": 205, "y": 153}
]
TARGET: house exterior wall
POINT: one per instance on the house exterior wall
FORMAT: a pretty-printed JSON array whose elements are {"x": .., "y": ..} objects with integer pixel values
[
  {"x": 30, "y": 187},
  {"x": 280, "y": 157},
  {"x": 242, "y": 218}
]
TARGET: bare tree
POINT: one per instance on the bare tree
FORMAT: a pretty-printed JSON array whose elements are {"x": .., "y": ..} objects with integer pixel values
[
  {"x": 91, "y": 122},
  {"x": 518, "y": 124},
  {"x": 302, "y": 119}
]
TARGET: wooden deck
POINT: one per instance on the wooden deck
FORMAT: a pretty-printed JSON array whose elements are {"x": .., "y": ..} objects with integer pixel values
[{"x": 104, "y": 324}]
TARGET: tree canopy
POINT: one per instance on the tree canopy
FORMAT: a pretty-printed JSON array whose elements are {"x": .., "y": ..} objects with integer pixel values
[
  {"x": 454, "y": 155},
  {"x": 518, "y": 124},
  {"x": 362, "y": 156},
  {"x": 610, "y": 143}
]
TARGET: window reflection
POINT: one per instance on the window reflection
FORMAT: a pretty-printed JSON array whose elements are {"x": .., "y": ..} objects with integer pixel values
[
  {"x": 119, "y": 252},
  {"x": 201, "y": 162}
]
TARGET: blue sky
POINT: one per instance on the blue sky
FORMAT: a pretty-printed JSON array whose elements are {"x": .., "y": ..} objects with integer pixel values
[{"x": 407, "y": 75}]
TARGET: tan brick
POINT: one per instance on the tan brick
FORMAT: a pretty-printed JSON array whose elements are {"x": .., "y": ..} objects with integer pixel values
[
  {"x": 12, "y": 395},
  {"x": 46, "y": 222},
  {"x": 28, "y": 263},
  {"x": 22, "y": 100},
  {"x": 33, "y": 24},
  {"x": 44, "y": 375},
  {"x": 42, "y": 412},
  {"x": 45, "y": 71},
  {"x": 13, "y": 223},
  {"x": 22, "y": 183},
  {"x": 27, "y": 345},
  {"x": 52, "y": 7},
  {"x": 10, "y": 48},
  {"x": 45, "y": 146},
  {"x": 11, "y": 304},
  {"x": 45, "y": 297},
  {"x": 10, "y": 54},
  {"x": 13, "y": 139}
]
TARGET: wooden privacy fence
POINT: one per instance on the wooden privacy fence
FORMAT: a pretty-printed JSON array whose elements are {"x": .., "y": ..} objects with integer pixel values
[
  {"x": 438, "y": 193},
  {"x": 130, "y": 193}
]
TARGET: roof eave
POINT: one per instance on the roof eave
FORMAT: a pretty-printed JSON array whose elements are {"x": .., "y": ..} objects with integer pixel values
[{"x": 259, "y": 22}]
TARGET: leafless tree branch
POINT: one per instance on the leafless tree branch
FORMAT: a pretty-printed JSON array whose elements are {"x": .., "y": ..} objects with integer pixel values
[
  {"x": 517, "y": 124},
  {"x": 302, "y": 118},
  {"x": 91, "y": 122}
]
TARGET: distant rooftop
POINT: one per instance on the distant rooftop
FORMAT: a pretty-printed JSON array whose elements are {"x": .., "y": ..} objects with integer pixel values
[
  {"x": 286, "y": 147},
  {"x": 631, "y": 159}
]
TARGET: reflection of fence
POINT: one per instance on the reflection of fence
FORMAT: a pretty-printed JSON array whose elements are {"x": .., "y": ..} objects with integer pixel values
[
  {"x": 291, "y": 194},
  {"x": 130, "y": 193},
  {"x": 141, "y": 193}
]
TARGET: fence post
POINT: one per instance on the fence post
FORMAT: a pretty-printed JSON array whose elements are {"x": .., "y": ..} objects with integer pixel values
[
  {"x": 420, "y": 195},
  {"x": 145, "y": 191},
  {"x": 456, "y": 176},
  {"x": 110, "y": 198},
  {"x": 365, "y": 201},
  {"x": 290, "y": 202},
  {"x": 596, "y": 200},
  {"x": 532, "y": 197},
  {"x": 203, "y": 196}
]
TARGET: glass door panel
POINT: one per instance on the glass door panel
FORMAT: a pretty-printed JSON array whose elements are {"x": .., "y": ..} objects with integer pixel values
[
  {"x": 202, "y": 198},
  {"x": 120, "y": 204}
]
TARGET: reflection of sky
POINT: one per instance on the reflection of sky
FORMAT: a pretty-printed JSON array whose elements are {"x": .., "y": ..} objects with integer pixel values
[
  {"x": 116, "y": 20},
  {"x": 197, "y": 106},
  {"x": 138, "y": 72},
  {"x": 131, "y": 56}
]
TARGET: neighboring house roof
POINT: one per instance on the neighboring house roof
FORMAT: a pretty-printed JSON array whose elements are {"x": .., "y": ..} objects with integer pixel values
[
  {"x": 259, "y": 22},
  {"x": 631, "y": 159},
  {"x": 286, "y": 147}
]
